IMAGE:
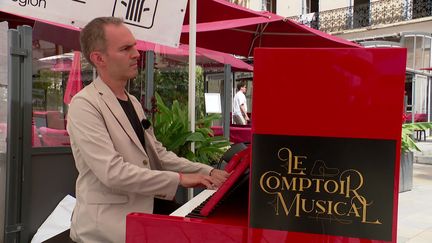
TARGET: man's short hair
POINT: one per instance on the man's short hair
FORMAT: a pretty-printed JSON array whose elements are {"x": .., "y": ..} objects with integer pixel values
[
  {"x": 241, "y": 84},
  {"x": 92, "y": 37}
]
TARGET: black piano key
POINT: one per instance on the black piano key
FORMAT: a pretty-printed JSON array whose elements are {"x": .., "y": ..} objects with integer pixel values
[{"x": 195, "y": 213}]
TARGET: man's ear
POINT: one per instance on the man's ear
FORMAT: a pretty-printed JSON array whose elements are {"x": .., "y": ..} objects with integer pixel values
[{"x": 97, "y": 58}]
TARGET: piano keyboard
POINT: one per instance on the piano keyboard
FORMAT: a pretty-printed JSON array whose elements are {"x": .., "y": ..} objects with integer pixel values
[{"x": 193, "y": 206}]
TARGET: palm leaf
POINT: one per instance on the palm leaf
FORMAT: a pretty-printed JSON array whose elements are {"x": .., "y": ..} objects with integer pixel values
[
  {"x": 407, "y": 142},
  {"x": 172, "y": 130}
]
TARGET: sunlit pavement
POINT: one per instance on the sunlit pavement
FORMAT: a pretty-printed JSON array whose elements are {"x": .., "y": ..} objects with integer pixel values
[{"x": 415, "y": 206}]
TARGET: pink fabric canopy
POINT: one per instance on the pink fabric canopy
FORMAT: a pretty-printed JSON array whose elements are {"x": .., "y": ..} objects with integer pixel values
[
  {"x": 62, "y": 66},
  {"x": 46, "y": 30},
  {"x": 220, "y": 10},
  {"x": 74, "y": 83},
  {"x": 69, "y": 38},
  {"x": 229, "y": 28},
  {"x": 224, "y": 27},
  {"x": 202, "y": 55}
]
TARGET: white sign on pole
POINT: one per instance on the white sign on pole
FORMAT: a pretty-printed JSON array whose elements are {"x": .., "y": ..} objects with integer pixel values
[
  {"x": 157, "y": 21},
  {"x": 213, "y": 103}
]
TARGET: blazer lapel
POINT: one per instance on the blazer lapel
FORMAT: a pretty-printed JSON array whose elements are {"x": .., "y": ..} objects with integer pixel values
[
  {"x": 140, "y": 113},
  {"x": 137, "y": 107},
  {"x": 114, "y": 106},
  {"x": 153, "y": 159}
]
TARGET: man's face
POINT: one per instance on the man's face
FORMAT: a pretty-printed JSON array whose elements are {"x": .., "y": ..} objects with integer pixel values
[
  {"x": 121, "y": 55},
  {"x": 243, "y": 89}
]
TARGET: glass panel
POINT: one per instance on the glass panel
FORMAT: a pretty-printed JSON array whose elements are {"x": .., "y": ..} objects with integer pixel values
[
  {"x": 3, "y": 86},
  {"x": 3, "y": 120},
  {"x": 408, "y": 93},
  {"x": 136, "y": 86},
  {"x": 418, "y": 62},
  {"x": 171, "y": 77},
  {"x": 58, "y": 74},
  {"x": 427, "y": 52},
  {"x": 215, "y": 84},
  {"x": 245, "y": 78},
  {"x": 409, "y": 44},
  {"x": 420, "y": 99}
]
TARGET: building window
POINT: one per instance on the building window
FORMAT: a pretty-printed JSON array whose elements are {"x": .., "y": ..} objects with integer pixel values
[
  {"x": 361, "y": 13},
  {"x": 243, "y": 3},
  {"x": 312, "y": 6},
  {"x": 421, "y": 8},
  {"x": 269, "y": 5}
]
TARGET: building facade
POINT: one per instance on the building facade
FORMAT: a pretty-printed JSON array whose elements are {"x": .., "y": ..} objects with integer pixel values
[{"x": 372, "y": 23}]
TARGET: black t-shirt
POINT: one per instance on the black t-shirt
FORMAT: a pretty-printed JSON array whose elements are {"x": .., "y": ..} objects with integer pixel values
[{"x": 128, "y": 108}]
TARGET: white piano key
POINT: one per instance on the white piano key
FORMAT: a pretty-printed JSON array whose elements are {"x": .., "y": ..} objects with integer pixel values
[{"x": 193, "y": 203}]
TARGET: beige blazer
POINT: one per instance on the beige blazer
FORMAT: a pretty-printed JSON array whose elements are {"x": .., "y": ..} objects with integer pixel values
[{"x": 116, "y": 175}]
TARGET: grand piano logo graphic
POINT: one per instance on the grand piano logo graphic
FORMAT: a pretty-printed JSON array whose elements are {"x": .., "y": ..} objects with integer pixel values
[{"x": 140, "y": 13}]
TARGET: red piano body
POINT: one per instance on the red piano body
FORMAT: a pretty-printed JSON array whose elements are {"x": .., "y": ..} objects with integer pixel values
[
  {"x": 329, "y": 112},
  {"x": 227, "y": 224}
]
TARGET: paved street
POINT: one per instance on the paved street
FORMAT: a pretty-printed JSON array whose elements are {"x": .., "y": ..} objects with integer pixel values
[{"x": 415, "y": 210}]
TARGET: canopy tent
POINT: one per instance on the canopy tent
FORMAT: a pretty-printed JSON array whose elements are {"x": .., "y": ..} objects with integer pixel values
[
  {"x": 224, "y": 27},
  {"x": 203, "y": 55},
  {"x": 46, "y": 30},
  {"x": 230, "y": 28},
  {"x": 68, "y": 37},
  {"x": 233, "y": 29}
]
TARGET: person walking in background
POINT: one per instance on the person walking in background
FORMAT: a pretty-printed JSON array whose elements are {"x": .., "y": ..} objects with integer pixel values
[
  {"x": 122, "y": 167},
  {"x": 240, "y": 116}
]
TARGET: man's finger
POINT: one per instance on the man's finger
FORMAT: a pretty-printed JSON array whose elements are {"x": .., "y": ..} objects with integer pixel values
[{"x": 207, "y": 182}]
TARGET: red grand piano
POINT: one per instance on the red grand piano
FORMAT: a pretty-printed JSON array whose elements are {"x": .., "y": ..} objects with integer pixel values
[{"x": 313, "y": 178}]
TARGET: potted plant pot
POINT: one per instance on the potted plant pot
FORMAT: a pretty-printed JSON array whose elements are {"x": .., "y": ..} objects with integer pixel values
[
  {"x": 408, "y": 145},
  {"x": 406, "y": 171}
]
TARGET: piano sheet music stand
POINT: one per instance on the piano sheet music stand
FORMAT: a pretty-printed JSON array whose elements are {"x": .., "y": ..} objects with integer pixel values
[{"x": 326, "y": 136}]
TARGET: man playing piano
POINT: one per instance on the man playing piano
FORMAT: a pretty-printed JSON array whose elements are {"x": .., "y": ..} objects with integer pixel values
[{"x": 121, "y": 165}]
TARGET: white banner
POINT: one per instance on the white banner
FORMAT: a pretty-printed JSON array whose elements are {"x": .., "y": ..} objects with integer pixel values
[{"x": 157, "y": 21}]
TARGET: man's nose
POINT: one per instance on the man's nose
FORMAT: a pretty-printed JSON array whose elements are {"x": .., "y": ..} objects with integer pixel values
[{"x": 135, "y": 53}]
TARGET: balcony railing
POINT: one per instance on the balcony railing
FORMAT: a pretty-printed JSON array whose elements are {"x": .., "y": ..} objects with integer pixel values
[
  {"x": 243, "y": 3},
  {"x": 359, "y": 16}
]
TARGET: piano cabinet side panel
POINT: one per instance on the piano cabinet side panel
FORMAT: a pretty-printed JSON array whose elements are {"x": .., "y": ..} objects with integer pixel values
[
  {"x": 142, "y": 228},
  {"x": 326, "y": 117}
]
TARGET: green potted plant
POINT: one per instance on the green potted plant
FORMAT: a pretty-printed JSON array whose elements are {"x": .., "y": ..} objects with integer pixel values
[
  {"x": 408, "y": 146},
  {"x": 171, "y": 127}
]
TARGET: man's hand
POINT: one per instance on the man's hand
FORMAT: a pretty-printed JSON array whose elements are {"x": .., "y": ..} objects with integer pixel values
[
  {"x": 212, "y": 181},
  {"x": 219, "y": 175},
  {"x": 197, "y": 180}
]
